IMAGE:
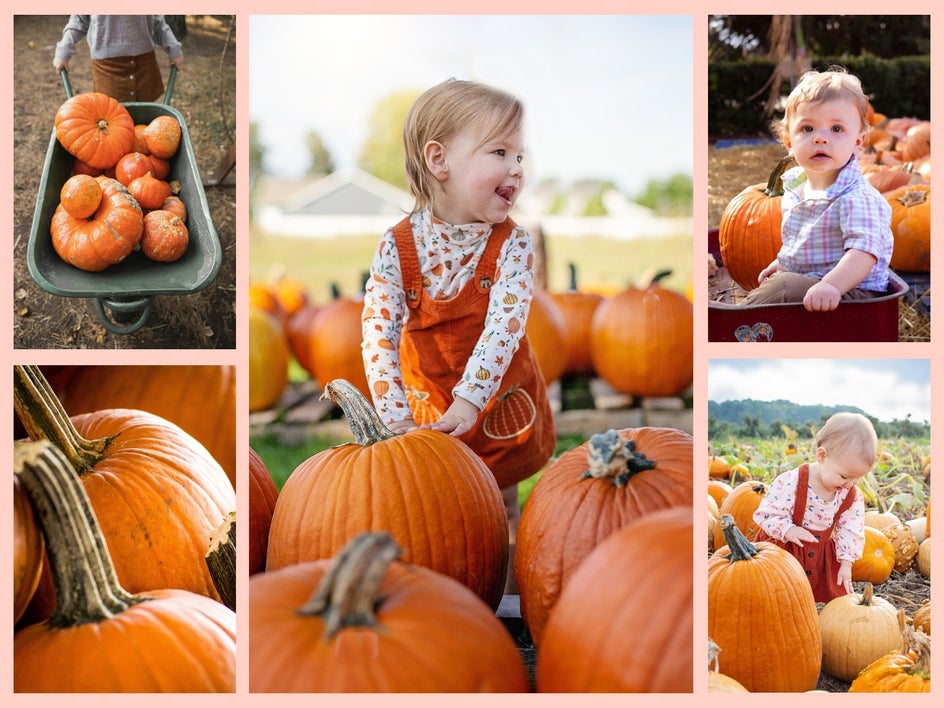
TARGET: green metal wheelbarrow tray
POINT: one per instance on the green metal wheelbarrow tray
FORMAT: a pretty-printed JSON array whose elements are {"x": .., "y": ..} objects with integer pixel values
[{"x": 123, "y": 293}]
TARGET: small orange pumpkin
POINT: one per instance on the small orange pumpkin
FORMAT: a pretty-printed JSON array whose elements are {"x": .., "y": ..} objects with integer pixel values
[
  {"x": 162, "y": 136},
  {"x": 165, "y": 237},
  {"x": 80, "y": 196},
  {"x": 149, "y": 191},
  {"x": 95, "y": 128},
  {"x": 878, "y": 558}
]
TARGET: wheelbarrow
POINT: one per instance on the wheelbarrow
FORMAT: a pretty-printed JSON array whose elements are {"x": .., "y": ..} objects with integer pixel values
[{"x": 123, "y": 293}]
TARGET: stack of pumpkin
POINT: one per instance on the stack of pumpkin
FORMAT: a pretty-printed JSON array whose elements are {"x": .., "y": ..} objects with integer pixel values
[
  {"x": 788, "y": 642},
  {"x": 115, "y": 512},
  {"x": 896, "y": 161},
  {"x": 118, "y": 198},
  {"x": 402, "y": 565}
]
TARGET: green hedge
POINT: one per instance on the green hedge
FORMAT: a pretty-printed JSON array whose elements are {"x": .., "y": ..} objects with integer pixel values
[{"x": 898, "y": 88}]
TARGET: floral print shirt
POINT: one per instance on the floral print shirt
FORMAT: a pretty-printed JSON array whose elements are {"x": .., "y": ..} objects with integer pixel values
[
  {"x": 775, "y": 515},
  {"x": 448, "y": 255}
]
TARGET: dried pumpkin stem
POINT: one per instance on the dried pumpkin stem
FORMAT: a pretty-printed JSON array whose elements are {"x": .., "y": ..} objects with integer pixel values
[
  {"x": 611, "y": 457},
  {"x": 87, "y": 587},
  {"x": 740, "y": 547},
  {"x": 221, "y": 560},
  {"x": 775, "y": 180},
  {"x": 349, "y": 591},
  {"x": 364, "y": 421},
  {"x": 44, "y": 418}
]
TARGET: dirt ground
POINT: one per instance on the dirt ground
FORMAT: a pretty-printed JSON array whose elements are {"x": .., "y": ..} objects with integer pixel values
[{"x": 205, "y": 93}]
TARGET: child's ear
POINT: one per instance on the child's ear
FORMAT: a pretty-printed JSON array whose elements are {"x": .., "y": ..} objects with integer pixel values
[{"x": 435, "y": 155}]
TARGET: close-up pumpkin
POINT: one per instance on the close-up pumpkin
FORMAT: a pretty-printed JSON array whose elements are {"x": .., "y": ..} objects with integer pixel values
[
  {"x": 157, "y": 492},
  {"x": 363, "y": 620},
  {"x": 165, "y": 238},
  {"x": 877, "y": 560},
  {"x": 762, "y": 615},
  {"x": 105, "y": 238},
  {"x": 749, "y": 231},
  {"x": 427, "y": 489},
  {"x": 906, "y": 669},
  {"x": 103, "y": 638},
  {"x": 95, "y": 128},
  {"x": 641, "y": 340},
  {"x": 162, "y": 136},
  {"x": 80, "y": 196},
  {"x": 911, "y": 228},
  {"x": 606, "y": 637},
  {"x": 857, "y": 629},
  {"x": 262, "y": 497},
  {"x": 585, "y": 495}
]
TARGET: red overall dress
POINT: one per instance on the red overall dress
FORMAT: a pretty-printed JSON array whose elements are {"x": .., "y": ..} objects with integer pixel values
[
  {"x": 514, "y": 434},
  {"x": 818, "y": 559}
]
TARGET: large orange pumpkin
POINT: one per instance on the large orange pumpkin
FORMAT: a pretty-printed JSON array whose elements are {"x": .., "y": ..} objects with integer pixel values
[
  {"x": 157, "y": 492},
  {"x": 762, "y": 615},
  {"x": 103, "y": 638},
  {"x": 741, "y": 503},
  {"x": 641, "y": 341},
  {"x": 262, "y": 497},
  {"x": 95, "y": 128},
  {"x": 427, "y": 489},
  {"x": 577, "y": 309},
  {"x": 606, "y": 636},
  {"x": 588, "y": 493},
  {"x": 546, "y": 332},
  {"x": 334, "y": 343},
  {"x": 911, "y": 227},
  {"x": 749, "y": 231},
  {"x": 364, "y": 622},
  {"x": 105, "y": 238}
]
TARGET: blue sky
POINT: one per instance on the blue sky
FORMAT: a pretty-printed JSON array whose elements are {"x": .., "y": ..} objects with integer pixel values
[
  {"x": 884, "y": 388},
  {"x": 606, "y": 96}
]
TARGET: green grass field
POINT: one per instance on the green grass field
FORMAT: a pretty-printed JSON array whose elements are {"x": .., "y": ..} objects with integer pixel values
[{"x": 603, "y": 264}]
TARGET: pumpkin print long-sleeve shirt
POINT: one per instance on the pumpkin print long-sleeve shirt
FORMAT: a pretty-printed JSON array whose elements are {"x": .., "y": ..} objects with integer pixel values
[
  {"x": 775, "y": 515},
  {"x": 448, "y": 256}
]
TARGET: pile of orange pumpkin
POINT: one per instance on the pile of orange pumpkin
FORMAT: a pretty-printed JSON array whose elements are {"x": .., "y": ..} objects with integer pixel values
[
  {"x": 896, "y": 161},
  {"x": 115, "y": 510},
  {"x": 118, "y": 198},
  {"x": 860, "y": 638},
  {"x": 355, "y": 596}
]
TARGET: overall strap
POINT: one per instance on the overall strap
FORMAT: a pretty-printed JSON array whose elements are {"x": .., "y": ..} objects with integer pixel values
[
  {"x": 485, "y": 271},
  {"x": 846, "y": 503},
  {"x": 803, "y": 483},
  {"x": 409, "y": 262}
]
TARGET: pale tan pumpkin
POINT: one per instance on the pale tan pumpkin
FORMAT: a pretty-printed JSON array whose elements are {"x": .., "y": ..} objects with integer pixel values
[{"x": 857, "y": 630}]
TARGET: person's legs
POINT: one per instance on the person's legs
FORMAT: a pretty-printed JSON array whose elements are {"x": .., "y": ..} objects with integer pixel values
[{"x": 779, "y": 288}]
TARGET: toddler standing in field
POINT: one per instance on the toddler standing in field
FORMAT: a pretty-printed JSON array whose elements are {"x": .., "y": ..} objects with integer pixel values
[
  {"x": 450, "y": 287},
  {"x": 816, "y": 512},
  {"x": 836, "y": 227},
  {"x": 124, "y": 63}
]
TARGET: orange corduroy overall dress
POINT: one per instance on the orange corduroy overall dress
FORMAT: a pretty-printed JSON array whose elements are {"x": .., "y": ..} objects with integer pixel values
[
  {"x": 818, "y": 559},
  {"x": 514, "y": 434}
]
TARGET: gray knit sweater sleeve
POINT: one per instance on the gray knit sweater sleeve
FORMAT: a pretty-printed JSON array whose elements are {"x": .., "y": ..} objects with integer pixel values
[{"x": 117, "y": 36}]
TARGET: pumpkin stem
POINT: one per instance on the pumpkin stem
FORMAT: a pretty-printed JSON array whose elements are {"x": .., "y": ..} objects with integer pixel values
[
  {"x": 739, "y": 546},
  {"x": 610, "y": 457},
  {"x": 713, "y": 651},
  {"x": 912, "y": 198},
  {"x": 364, "y": 421},
  {"x": 87, "y": 587},
  {"x": 221, "y": 560},
  {"x": 660, "y": 275},
  {"x": 350, "y": 590},
  {"x": 867, "y": 593},
  {"x": 572, "y": 269},
  {"x": 775, "y": 181},
  {"x": 44, "y": 418}
]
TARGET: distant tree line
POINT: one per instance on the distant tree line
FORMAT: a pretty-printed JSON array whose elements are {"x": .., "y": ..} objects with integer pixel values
[{"x": 749, "y": 418}]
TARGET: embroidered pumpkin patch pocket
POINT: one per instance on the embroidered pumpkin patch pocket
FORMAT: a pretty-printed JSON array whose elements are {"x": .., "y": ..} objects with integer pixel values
[{"x": 512, "y": 415}]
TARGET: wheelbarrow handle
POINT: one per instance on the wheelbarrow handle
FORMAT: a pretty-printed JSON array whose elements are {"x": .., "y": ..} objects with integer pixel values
[{"x": 171, "y": 79}]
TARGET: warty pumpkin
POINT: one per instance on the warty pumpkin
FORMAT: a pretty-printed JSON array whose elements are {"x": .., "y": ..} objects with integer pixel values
[
  {"x": 641, "y": 340},
  {"x": 105, "y": 238},
  {"x": 103, "y": 638},
  {"x": 610, "y": 636},
  {"x": 588, "y": 493},
  {"x": 903, "y": 670},
  {"x": 429, "y": 490},
  {"x": 749, "y": 231},
  {"x": 363, "y": 621},
  {"x": 95, "y": 128},
  {"x": 762, "y": 615},
  {"x": 157, "y": 492}
]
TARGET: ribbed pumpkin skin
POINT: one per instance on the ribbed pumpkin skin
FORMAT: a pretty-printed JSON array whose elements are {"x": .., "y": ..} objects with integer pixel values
[
  {"x": 428, "y": 490},
  {"x": 179, "y": 393},
  {"x": 566, "y": 516},
  {"x": 898, "y": 671},
  {"x": 641, "y": 341},
  {"x": 878, "y": 558},
  {"x": 856, "y": 634},
  {"x": 95, "y": 128},
  {"x": 546, "y": 332},
  {"x": 262, "y": 497},
  {"x": 158, "y": 494},
  {"x": 577, "y": 310},
  {"x": 911, "y": 226},
  {"x": 28, "y": 548},
  {"x": 129, "y": 652},
  {"x": 741, "y": 503},
  {"x": 762, "y": 615},
  {"x": 606, "y": 636},
  {"x": 435, "y": 636}
]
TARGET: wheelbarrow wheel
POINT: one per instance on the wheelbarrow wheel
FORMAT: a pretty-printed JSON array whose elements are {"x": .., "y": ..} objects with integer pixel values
[{"x": 123, "y": 316}]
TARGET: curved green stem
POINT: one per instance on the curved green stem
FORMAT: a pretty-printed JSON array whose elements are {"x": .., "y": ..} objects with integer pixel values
[
  {"x": 739, "y": 546},
  {"x": 364, "y": 421}
]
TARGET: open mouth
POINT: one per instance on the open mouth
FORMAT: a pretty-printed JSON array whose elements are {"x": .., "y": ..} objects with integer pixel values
[{"x": 506, "y": 193}]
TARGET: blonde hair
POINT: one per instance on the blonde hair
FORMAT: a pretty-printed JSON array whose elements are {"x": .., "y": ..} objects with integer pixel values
[
  {"x": 817, "y": 86},
  {"x": 849, "y": 434},
  {"x": 443, "y": 111}
]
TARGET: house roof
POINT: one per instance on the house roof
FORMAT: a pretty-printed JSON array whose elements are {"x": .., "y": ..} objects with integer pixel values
[{"x": 348, "y": 192}]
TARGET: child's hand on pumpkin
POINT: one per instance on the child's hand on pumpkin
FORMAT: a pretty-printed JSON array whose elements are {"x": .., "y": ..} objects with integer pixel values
[
  {"x": 799, "y": 536},
  {"x": 402, "y": 426},
  {"x": 458, "y": 419},
  {"x": 844, "y": 577}
]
